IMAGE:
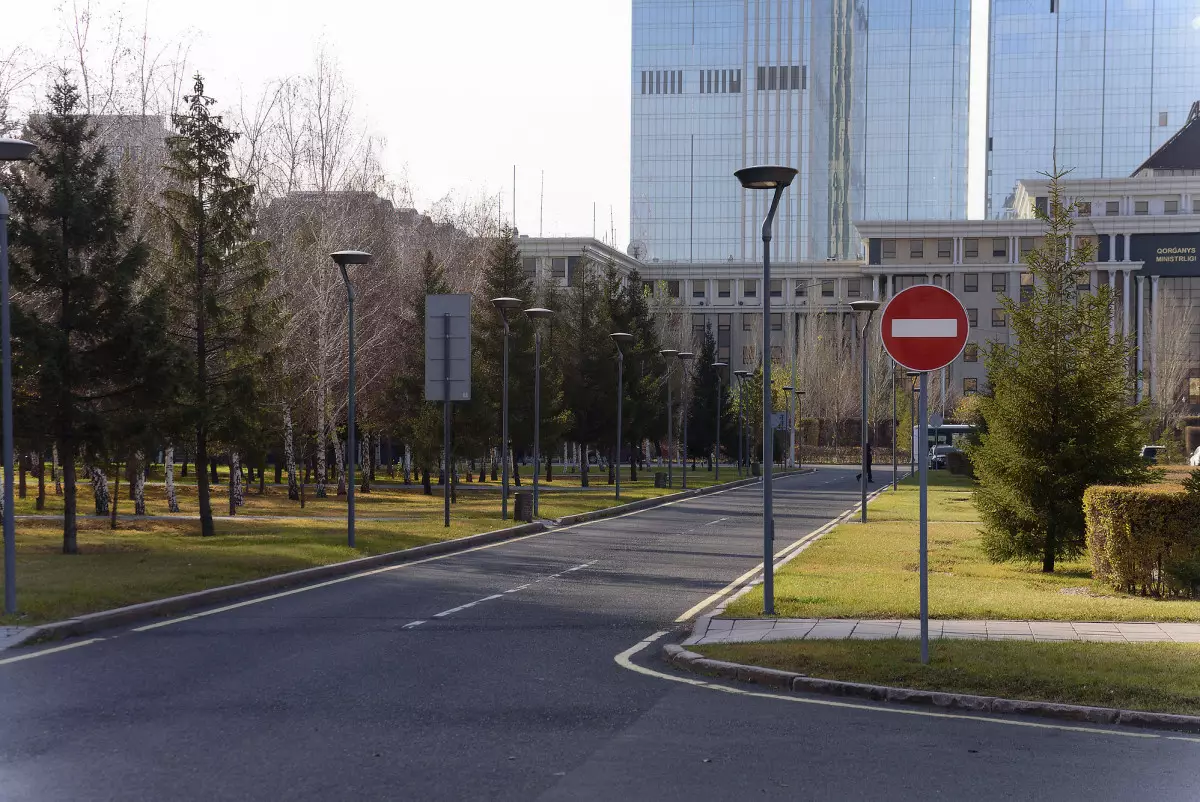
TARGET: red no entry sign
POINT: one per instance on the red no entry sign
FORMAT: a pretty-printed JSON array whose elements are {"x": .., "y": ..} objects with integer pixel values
[{"x": 924, "y": 327}]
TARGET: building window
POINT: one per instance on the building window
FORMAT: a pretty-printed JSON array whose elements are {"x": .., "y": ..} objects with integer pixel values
[
  {"x": 1026, "y": 246},
  {"x": 749, "y": 321},
  {"x": 1026, "y": 287},
  {"x": 1141, "y": 207},
  {"x": 801, "y": 288},
  {"x": 970, "y": 248},
  {"x": 1171, "y": 207},
  {"x": 772, "y": 77},
  {"x": 973, "y": 318},
  {"x": 1112, "y": 208},
  {"x": 826, "y": 288},
  {"x": 777, "y": 321},
  {"x": 735, "y": 81},
  {"x": 945, "y": 248},
  {"x": 916, "y": 249},
  {"x": 723, "y": 336},
  {"x": 750, "y": 288},
  {"x": 699, "y": 289},
  {"x": 853, "y": 287},
  {"x": 971, "y": 353},
  {"x": 776, "y": 288},
  {"x": 723, "y": 287},
  {"x": 776, "y": 354},
  {"x": 795, "y": 77},
  {"x": 970, "y": 386},
  {"x": 1162, "y": 119},
  {"x": 529, "y": 266},
  {"x": 999, "y": 321},
  {"x": 970, "y": 282},
  {"x": 1193, "y": 391},
  {"x": 889, "y": 249},
  {"x": 697, "y": 330},
  {"x": 999, "y": 282},
  {"x": 1083, "y": 208},
  {"x": 1083, "y": 281},
  {"x": 999, "y": 246},
  {"x": 558, "y": 267},
  {"x": 673, "y": 288},
  {"x": 643, "y": 82}
]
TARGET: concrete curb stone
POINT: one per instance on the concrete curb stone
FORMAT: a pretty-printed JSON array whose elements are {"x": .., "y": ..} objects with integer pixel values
[
  {"x": 188, "y": 602},
  {"x": 686, "y": 660}
]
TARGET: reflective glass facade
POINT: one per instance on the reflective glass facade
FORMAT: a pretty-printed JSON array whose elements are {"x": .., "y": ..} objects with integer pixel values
[
  {"x": 866, "y": 98},
  {"x": 1099, "y": 86}
]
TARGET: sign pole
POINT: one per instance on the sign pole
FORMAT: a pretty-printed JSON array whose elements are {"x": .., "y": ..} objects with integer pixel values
[
  {"x": 446, "y": 419},
  {"x": 924, "y": 515}
]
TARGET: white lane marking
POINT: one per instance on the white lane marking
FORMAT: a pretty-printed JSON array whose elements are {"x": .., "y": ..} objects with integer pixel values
[
  {"x": 713, "y": 523},
  {"x": 623, "y": 660},
  {"x": 494, "y": 596},
  {"x": 454, "y": 610},
  {"x": 31, "y": 655},
  {"x": 412, "y": 625},
  {"x": 400, "y": 566},
  {"x": 522, "y": 587},
  {"x": 925, "y": 327}
]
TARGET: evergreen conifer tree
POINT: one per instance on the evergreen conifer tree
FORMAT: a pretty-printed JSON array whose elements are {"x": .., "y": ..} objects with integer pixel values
[
  {"x": 707, "y": 387},
  {"x": 1058, "y": 417},
  {"x": 645, "y": 416}
]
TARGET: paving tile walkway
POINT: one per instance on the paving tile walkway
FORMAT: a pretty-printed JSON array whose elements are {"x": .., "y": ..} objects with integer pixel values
[
  {"x": 746, "y": 630},
  {"x": 10, "y": 635}
]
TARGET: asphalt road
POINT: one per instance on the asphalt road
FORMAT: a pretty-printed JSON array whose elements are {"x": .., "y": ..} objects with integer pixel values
[{"x": 512, "y": 692}]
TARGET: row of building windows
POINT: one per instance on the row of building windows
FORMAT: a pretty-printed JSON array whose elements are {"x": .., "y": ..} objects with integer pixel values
[
  {"x": 784, "y": 78},
  {"x": 713, "y": 82},
  {"x": 854, "y": 288},
  {"x": 662, "y": 82}
]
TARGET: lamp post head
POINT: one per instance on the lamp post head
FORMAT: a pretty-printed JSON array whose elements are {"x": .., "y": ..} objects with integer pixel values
[
  {"x": 539, "y": 313},
  {"x": 505, "y": 305},
  {"x": 16, "y": 150},
  {"x": 621, "y": 337},
  {"x": 685, "y": 356},
  {"x": 668, "y": 352},
  {"x": 800, "y": 393},
  {"x": 765, "y": 176},
  {"x": 912, "y": 374},
  {"x": 741, "y": 374},
  {"x": 788, "y": 388},
  {"x": 864, "y": 306},
  {"x": 720, "y": 364},
  {"x": 343, "y": 258}
]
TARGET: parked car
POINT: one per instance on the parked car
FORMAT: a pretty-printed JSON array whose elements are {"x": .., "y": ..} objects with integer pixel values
[
  {"x": 1194, "y": 460},
  {"x": 939, "y": 454},
  {"x": 1150, "y": 454}
]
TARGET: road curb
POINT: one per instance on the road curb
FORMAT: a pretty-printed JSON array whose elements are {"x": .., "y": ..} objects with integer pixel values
[
  {"x": 189, "y": 602},
  {"x": 686, "y": 660}
]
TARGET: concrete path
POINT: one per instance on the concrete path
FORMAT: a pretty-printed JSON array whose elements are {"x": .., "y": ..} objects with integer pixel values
[{"x": 746, "y": 630}]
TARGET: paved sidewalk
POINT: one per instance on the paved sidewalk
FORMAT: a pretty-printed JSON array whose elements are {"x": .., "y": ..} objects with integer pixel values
[
  {"x": 745, "y": 630},
  {"x": 10, "y": 635}
]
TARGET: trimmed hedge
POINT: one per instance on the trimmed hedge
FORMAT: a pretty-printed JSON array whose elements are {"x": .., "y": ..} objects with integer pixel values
[{"x": 1144, "y": 539}]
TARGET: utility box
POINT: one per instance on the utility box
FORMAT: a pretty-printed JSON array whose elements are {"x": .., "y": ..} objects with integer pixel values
[
  {"x": 660, "y": 479},
  {"x": 523, "y": 508}
]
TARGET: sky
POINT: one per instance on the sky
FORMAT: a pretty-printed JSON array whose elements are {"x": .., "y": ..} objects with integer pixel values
[{"x": 461, "y": 90}]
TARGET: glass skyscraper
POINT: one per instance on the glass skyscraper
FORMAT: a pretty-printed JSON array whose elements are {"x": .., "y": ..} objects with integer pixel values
[
  {"x": 1097, "y": 85},
  {"x": 866, "y": 98}
]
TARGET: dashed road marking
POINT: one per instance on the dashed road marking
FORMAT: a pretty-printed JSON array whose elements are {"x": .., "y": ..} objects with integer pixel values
[{"x": 412, "y": 625}]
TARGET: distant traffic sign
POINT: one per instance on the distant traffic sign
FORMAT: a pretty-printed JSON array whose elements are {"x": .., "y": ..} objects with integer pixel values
[
  {"x": 448, "y": 347},
  {"x": 924, "y": 327}
]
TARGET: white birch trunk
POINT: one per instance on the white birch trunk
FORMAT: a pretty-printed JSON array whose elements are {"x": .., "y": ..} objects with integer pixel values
[
  {"x": 365, "y": 461},
  {"x": 236, "y": 492},
  {"x": 289, "y": 454},
  {"x": 407, "y": 464},
  {"x": 169, "y": 473},
  {"x": 339, "y": 459},
  {"x": 99, "y": 488},
  {"x": 139, "y": 483},
  {"x": 55, "y": 474},
  {"x": 320, "y": 438}
]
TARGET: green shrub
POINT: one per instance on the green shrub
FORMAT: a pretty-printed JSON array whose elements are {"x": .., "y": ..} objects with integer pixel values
[{"x": 1144, "y": 539}]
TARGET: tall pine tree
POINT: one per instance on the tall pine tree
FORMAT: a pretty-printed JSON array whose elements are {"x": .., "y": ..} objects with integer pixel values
[
  {"x": 645, "y": 416},
  {"x": 1058, "y": 417},
  {"x": 589, "y": 362},
  {"x": 219, "y": 272},
  {"x": 88, "y": 326},
  {"x": 707, "y": 388}
]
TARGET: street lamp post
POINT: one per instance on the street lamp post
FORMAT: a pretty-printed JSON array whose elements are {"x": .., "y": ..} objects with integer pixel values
[
  {"x": 537, "y": 314},
  {"x": 11, "y": 150},
  {"x": 893, "y": 426},
  {"x": 912, "y": 417},
  {"x": 800, "y": 440},
  {"x": 503, "y": 305},
  {"x": 717, "y": 437},
  {"x": 743, "y": 453},
  {"x": 869, "y": 307},
  {"x": 620, "y": 338},
  {"x": 685, "y": 357},
  {"x": 343, "y": 259},
  {"x": 777, "y": 179},
  {"x": 791, "y": 425},
  {"x": 669, "y": 353}
]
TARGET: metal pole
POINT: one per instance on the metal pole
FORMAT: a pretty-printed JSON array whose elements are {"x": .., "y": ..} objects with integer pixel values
[
  {"x": 670, "y": 442},
  {"x": 741, "y": 422},
  {"x": 768, "y": 428},
  {"x": 350, "y": 426},
  {"x": 537, "y": 415},
  {"x": 683, "y": 404},
  {"x": 504, "y": 427},
  {"x": 620, "y": 399},
  {"x": 912, "y": 419},
  {"x": 10, "y": 543},
  {"x": 865, "y": 443},
  {"x": 924, "y": 508},
  {"x": 717, "y": 440},
  {"x": 446, "y": 418},
  {"x": 800, "y": 445},
  {"x": 893, "y": 425}
]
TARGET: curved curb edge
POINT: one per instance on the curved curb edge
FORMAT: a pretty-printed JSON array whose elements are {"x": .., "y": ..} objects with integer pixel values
[{"x": 683, "y": 659}]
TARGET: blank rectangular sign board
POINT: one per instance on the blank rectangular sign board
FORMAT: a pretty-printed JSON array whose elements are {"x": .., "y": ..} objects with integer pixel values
[{"x": 448, "y": 326}]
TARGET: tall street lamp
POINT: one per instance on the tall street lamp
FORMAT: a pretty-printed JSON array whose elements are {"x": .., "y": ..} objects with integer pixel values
[
  {"x": 894, "y": 419},
  {"x": 869, "y": 307},
  {"x": 717, "y": 438},
  {"x": 537, "y": 314},
  {"x": 787, "y": 402},
  {"x": 669, "y": 353},
  {"x": 912, "y": 417},
  {"x": 11, "y": 150},
  {"x": 800, "y": 417},
  {"x": 685, "y": 358},
  {"x": 343, "y": 259},
  {"x": 741, "y": 385},
  {"x": 620, "y": 338},
  {"x": 777, "y": 179},
  {"x": 503, "y": 305}
]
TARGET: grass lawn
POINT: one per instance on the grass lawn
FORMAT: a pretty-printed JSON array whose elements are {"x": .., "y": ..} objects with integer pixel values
[
  {"x": 1143, "y": 676},
  {"x": 870, "y": 571},
  {"x": 148, "y": 559}
]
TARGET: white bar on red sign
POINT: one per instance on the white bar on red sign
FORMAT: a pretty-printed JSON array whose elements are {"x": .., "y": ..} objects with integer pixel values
[{"x": 925, "y": 327}]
